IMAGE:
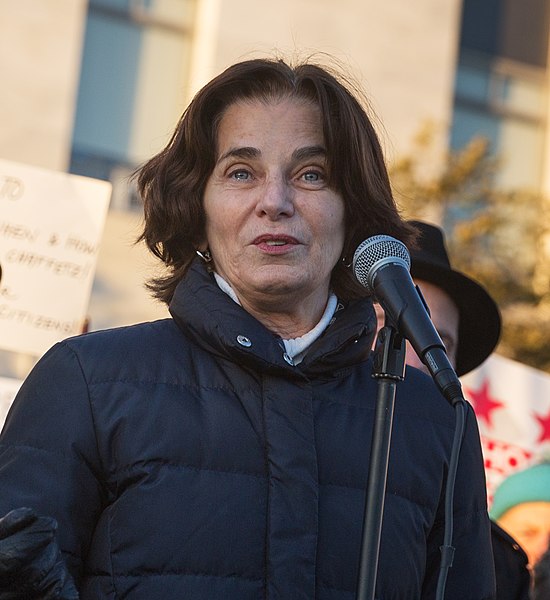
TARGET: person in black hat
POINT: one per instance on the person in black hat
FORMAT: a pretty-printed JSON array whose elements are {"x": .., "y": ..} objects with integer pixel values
[
  {"x": 474, "y": 311},
  {"x": 469, "y": 323},
  {"x": 466, "y": 317}
]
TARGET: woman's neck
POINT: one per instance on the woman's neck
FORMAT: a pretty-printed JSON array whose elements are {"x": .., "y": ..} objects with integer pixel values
[{"x": 287, "y": 319}]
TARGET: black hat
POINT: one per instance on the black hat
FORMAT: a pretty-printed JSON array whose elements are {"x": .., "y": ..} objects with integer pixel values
[{"x": 479, "y": 316}]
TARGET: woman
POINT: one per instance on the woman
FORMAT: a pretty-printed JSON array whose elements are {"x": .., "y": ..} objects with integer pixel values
[{"x": 224, "y": 453}]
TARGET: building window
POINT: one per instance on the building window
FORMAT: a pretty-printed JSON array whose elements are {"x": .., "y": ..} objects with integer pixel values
[
  {"x": 506, "y": 103},
  {"x": 501, "y": 86},
  {"x": 132, "y": 86}
]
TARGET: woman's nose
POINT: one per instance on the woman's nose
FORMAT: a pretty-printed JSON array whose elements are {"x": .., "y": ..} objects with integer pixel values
[{"x": 276, "y": 198}]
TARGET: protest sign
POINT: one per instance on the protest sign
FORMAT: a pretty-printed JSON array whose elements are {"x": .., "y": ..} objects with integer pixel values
[
  {"x": 512, "y": 405},
  {"x": 50, "y": 230},
  {"x": 8, "y": 389}
]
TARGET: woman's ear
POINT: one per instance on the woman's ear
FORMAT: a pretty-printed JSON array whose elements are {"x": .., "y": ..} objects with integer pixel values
[{"x": 205, "y": 255}]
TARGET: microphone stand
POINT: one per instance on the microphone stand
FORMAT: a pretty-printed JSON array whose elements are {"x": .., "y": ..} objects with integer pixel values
[{"x": 389, "y": 368}]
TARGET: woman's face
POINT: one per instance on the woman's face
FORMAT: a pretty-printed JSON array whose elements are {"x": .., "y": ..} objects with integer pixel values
[{"x": 274, "y": 228}]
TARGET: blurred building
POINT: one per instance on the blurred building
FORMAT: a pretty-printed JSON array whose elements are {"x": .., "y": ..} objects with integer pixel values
[{"x": 95, "y": 87}]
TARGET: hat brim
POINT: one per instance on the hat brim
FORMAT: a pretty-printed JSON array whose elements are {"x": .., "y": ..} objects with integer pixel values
[{"x": 479, "y": 316}]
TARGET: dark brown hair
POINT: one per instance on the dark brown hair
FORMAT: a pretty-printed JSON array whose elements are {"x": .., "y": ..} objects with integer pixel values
[{"x": 172, "y": 183}]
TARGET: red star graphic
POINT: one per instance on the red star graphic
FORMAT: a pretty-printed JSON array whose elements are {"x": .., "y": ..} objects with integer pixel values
[
  {"x": 483, "y": 403},
  {"x": 544, "y": 422}
]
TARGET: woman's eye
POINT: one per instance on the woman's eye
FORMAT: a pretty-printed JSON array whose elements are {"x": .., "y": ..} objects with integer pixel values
[
  {"x": 240, "y": 175},
  {"x": 312, "y": 176}
]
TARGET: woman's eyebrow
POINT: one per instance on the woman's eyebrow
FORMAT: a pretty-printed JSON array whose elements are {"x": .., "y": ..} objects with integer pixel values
[
  {"x": 309, "y": 152},
  {"x": 240, "y": 152},
  {"x": 300, "y": 154}
]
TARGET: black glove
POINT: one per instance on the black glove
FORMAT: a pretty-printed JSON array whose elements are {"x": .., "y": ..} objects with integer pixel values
[{"x": 31, "y": 564}]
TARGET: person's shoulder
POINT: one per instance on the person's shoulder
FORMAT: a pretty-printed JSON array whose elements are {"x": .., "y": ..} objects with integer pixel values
[
  {"x": 119, "y": 337},
  {"x": 418, "y": 383},
  {"x": 419, "y": 396},
  {"x": 133, "y": 346}
]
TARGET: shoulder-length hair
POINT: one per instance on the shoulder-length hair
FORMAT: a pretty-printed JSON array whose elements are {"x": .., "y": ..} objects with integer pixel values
[{"x": 172, "y": 183}]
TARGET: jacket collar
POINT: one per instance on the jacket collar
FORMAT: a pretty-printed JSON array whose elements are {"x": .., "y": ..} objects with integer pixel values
[{"x": 206, "y": 314}]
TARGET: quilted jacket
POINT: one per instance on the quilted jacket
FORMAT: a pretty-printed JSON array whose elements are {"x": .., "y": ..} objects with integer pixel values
[{"x": 187, "y": 459}]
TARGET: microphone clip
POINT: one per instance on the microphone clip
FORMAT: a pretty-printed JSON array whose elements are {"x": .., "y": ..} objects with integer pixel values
[{"x": 389, "y": 354}]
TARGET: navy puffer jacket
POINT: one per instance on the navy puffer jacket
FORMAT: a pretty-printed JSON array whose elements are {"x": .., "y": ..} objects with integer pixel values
[{"x": 186, "y": 459}]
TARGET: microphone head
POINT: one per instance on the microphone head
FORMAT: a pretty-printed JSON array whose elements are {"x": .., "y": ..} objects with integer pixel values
[{"x": 375, "y": 252}]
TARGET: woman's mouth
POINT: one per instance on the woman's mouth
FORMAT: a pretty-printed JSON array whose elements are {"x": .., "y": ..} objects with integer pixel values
[{"x": 275, "y": 244}]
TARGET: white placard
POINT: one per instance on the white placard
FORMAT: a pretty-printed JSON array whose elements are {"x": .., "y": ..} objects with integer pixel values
[
  {"x": 50, "y": 230},
  {"x": 8, "y": 390}
]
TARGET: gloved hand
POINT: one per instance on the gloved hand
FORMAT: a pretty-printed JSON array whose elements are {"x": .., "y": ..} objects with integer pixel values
[{"x": 31, "y": 564}]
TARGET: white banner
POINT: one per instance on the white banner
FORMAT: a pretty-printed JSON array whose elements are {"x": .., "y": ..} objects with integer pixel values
[
  {"x": 512, "y": 404},
  {"x": 50, "y": 230},
  {"x": 8, "y": 389}
]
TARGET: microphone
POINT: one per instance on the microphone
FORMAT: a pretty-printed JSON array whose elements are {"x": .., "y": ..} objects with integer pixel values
[{"x": 381, "y": 264}]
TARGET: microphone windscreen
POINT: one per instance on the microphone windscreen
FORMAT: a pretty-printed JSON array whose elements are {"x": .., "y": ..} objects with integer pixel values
[{"x": 375, "y": 252}]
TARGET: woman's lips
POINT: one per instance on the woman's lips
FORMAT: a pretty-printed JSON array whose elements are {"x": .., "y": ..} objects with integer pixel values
[{"x": 275, "y": 244}]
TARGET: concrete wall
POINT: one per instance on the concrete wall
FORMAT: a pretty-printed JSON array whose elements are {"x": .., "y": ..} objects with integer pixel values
[
  {"x": 403, "y": 53},
  {"x": 40, "y": 49}
]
